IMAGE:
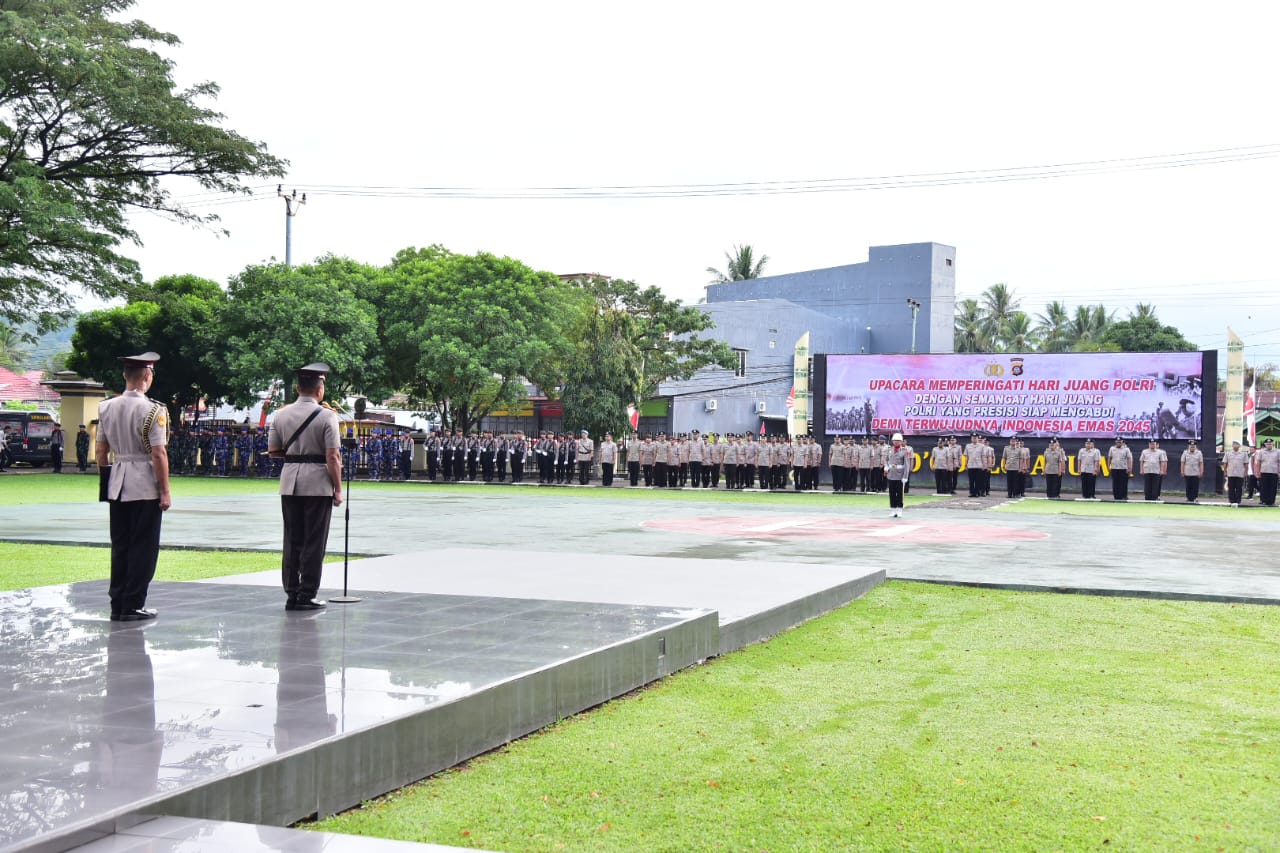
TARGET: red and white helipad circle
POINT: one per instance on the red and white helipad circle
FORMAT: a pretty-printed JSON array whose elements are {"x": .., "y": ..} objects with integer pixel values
[{"x": 828, "y": 527}]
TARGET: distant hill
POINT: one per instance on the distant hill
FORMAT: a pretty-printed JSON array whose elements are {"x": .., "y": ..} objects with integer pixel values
[{"x": 47, "y": 346}]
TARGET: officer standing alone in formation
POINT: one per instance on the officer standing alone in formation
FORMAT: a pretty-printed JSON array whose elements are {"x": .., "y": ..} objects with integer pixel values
[
  {"x": 1055, "y": 465},
  {"x": 133, "y": 477},
  {"x": 1266, "y": 466},
  {"x": 608, "y": 458},
  {"x": 1088, "y": 461},
  {"x": 1120, "y": 460},
  {"x": 82, "y": 449},
  {"x": 1154, "y": 463},
  {"x": 1235, "y": 464},
  {"x": 1192, "y": 471},
  {"x": 897, "y": 469},
  {"x": 305, "y": 436}
]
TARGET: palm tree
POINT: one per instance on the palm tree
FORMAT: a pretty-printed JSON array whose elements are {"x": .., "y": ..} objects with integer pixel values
[
  {"x": 741, "y": 265},
  {"x": 969, "y": 336},
  {"x": 1016, "y": 334},
  {"x": 1053, "y": 327},
  {"x": 14, "y": 351},
  {"x": 998, "y": 305},
  {"x": 1143, "y": 311},
  {"x": 1088, "y": 326}
]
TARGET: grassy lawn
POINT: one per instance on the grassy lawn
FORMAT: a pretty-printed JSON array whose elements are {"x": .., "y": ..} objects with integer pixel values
[{"x": 922, "y": 717}]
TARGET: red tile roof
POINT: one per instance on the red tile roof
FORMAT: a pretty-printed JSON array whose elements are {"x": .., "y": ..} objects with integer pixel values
[{"x": 24, "y": 387}]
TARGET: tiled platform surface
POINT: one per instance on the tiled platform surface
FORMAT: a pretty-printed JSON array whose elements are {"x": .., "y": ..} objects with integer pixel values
[
  {"x": 227, "y": 708},
  {"x": 185, "y": 835},
  {"x": 753, "y": 599}
]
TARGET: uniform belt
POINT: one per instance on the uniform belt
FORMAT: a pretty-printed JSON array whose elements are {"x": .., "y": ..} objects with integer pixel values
[
  {"x": 133, "y": 457},
  {"x": 316, "y": 458}
]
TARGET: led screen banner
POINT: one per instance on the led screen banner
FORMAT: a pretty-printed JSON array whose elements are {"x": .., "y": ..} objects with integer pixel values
[{"x": 1066, "y": 395}]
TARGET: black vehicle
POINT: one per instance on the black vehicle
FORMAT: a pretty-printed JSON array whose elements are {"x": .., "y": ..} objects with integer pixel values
[{"x": 27, "y": 436}]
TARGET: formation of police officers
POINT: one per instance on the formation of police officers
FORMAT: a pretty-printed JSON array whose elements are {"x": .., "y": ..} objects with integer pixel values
[{"x": 734, "y": 461}]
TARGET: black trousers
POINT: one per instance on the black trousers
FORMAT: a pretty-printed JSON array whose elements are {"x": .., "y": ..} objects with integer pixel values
[
  {"x": 57, "y": 459},
  {"x": 306, "y": 533},
  {"x": 135, "y": 547},
  {"x": 606, "y": 473},
  {"x": 1193, "y": 487},
  {"x": 1267, "y": 489},
  {"x": 1052, "y": 485},
  {"x": 517, "y": 469},
  {"x": 1235, "y": 488},
  {"x": 1151, "y": 487},
  {"x": 660, "y": 474},
  {"x": 633, "y": 471},
  {"x": 1088, "y": 485},
  {"x": 1120, "y": 484},
  {"x": 584, "y": 473},
  {"x": 695, "y": 473},
  {"x": 895, "y": 494}
]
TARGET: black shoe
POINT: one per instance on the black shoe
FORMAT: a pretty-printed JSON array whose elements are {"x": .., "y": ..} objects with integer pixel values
[
  {"x": 305, "y": 604},
  {"x": 138, "y": 615}
]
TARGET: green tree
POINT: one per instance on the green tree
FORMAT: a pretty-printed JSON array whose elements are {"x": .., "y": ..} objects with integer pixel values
[
  {"x": 178, "y": 318},
  {"x": 634, "y": 340},
  {"x": 1145, "y": 334},
  {"x": 969, "y": 334},
  {"x": 1088, "y": 327},
  {"x": 1016, "y": 333},
  {"x": 464, "y": 332},
  {"x": 90, "y": 124},
  {"x": 998, "y": 304},
  {"x": 278, "y": 318},
  {"x": 1053, "y": 327},
  {"x": 13, "y": 349},
  {"x": 741, "y": 264}
]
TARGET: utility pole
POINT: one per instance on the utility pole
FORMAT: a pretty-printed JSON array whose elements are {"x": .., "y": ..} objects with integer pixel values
[
  {"x": 915, "y": 312},
  {"x": 291, "y": 205}
]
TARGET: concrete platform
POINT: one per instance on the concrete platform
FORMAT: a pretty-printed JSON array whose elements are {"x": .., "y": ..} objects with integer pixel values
[
  {"x": 184, "y": 835},
  {"x": 228, "y": 708}
]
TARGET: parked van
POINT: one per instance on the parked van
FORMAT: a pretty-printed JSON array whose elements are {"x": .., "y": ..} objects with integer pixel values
[{"x": 27, "y": 435}]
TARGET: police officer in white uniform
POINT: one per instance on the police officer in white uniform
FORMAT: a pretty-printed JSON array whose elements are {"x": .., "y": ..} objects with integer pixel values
[
  {"x": 305, "y": 435},
  {"x": 133, "y": 430}
]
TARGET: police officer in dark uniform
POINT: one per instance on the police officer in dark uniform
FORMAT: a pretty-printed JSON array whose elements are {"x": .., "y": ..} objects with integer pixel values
[{"x": 133, "y": 471}]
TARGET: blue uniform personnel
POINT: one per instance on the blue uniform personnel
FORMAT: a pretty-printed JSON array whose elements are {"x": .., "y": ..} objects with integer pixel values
[
  {"x": 221, "y": 452},
  {"x": 244, "y": 452}
]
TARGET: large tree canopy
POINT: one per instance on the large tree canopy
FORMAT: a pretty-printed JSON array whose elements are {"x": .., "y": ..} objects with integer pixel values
[
  {"x": 279, "y": 318},
  {"x": 90, "y": 124},
  {"x": 463, "y": 332},
  {"x": 178, "y": 318}
]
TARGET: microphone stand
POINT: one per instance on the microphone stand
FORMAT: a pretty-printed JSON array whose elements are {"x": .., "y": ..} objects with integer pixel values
[{"x": 349, "y": 444}]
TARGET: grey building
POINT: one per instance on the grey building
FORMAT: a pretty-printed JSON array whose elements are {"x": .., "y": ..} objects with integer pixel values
[{"x": 857, "y": 308}]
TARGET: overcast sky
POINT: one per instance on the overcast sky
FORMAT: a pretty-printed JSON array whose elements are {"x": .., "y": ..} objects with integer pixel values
[{"x": 527, "y": 96}]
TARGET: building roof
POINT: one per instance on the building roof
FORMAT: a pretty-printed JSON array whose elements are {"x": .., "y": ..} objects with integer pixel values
[{"x": 25, "y": 388}]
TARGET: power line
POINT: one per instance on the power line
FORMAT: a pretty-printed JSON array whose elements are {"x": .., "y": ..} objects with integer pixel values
[{"x": 781, "y": 187}]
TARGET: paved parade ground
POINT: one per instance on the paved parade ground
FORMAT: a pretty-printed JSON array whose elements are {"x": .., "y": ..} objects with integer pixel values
[{"x": 1214, "y": 552}]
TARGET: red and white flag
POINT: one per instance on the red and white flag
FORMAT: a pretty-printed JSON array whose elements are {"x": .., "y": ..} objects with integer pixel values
[
  {"x": 633, "y": 416},
  {"x": 791, "y": 398}
]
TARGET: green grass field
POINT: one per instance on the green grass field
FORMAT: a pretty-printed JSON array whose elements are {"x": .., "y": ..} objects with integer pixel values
[{"x": 920, "y": 718}]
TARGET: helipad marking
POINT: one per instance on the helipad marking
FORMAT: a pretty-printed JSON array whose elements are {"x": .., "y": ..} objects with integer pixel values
[
  {"x": 780, "y": 525},
  {"x": 886, "y": 532},
  {"x": 846, "y": 528}
]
